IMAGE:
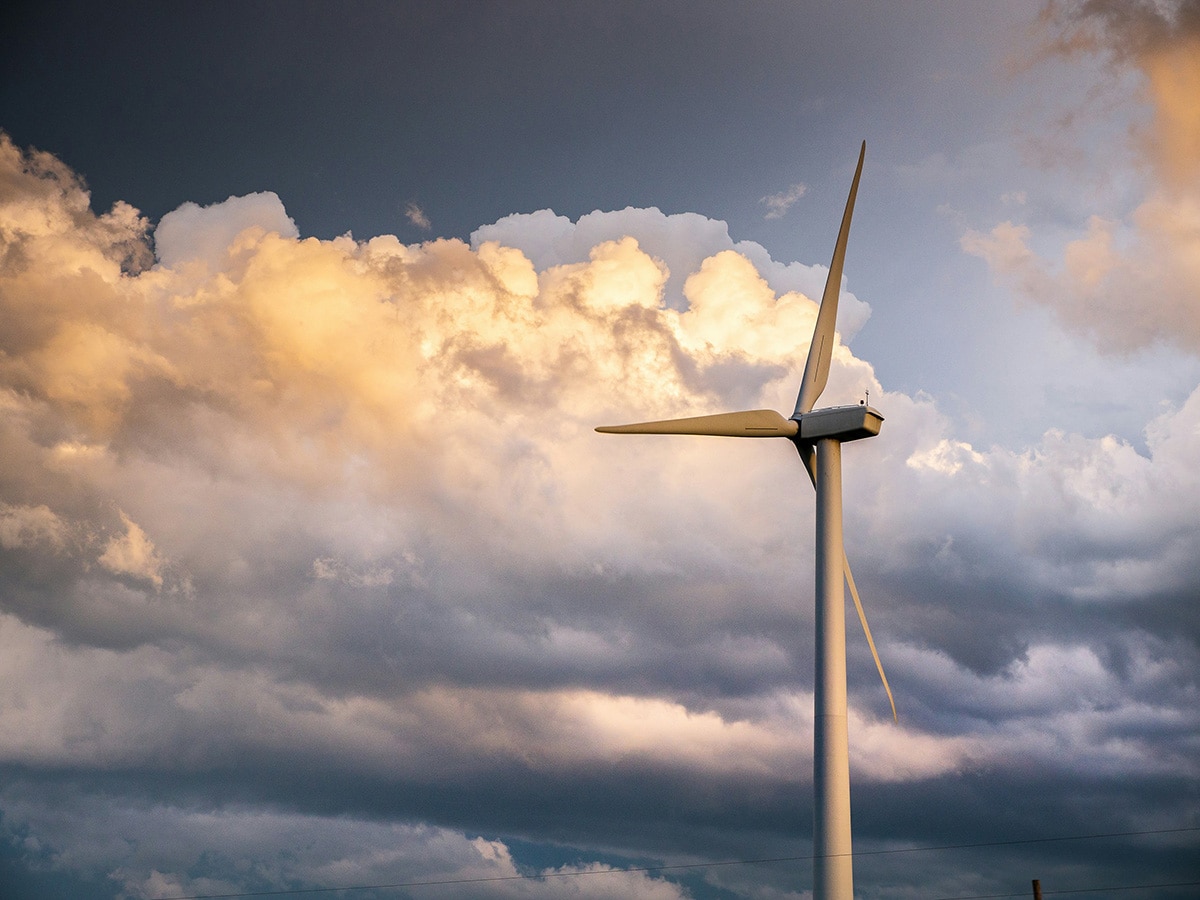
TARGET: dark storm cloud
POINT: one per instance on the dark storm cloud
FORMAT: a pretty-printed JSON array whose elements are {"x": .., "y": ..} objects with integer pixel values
[{"x": 302, "y": 537}]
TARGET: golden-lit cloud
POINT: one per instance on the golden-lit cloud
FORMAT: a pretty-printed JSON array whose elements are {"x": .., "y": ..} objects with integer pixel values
[
  {"x": 1128, "y": 280},
  {"x": 1173, "y": 73},
  {"x": 313, "y": 571},
  {"x": 408, "y": 404},
  {"x": 340, "y": 503},
  {"x": 132, "y": 553},
  {"x": 1128, "y": 285}
]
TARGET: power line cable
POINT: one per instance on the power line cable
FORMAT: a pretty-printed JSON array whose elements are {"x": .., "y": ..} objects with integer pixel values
[
  {"x": 1107, "y": 889},
  {"x": 731, "y": 862}
]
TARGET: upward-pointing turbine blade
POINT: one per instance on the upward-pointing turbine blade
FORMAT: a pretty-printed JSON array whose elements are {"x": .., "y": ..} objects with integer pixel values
[
  {"x": 809, "y": 456},
  {"x": 749, "y": 423},
  {"x": 820, "y": 352}
]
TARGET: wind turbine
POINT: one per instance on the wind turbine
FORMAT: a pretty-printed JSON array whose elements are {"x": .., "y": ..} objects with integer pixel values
[{"x": 818, "y": 435}]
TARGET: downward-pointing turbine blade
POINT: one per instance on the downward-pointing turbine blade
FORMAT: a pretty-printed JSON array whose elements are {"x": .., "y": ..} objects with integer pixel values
[
  {"x": 749, "y": 423},
  {"x": 820, "y": 352},
  {"x": 809, "y": 455},
  {"x": 862, "y": 617}
]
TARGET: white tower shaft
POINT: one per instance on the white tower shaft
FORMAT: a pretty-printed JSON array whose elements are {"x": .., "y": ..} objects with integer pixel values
[{"x": 833, "y": 877}]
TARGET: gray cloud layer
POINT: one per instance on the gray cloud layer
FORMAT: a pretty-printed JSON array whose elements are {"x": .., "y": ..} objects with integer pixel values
[{"x": 310, "y": 543}]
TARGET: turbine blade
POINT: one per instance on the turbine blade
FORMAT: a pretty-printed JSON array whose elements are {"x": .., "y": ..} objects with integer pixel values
[
  {"x": 809, "y": 456},
  {"x": 820, "y": 351},
  {"x": 749, "y": 423},
  {"x": 862, "y": 617}
]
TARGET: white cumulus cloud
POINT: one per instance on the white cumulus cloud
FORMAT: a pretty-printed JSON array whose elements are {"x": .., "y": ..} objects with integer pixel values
[{"x": 333, "y": 511}]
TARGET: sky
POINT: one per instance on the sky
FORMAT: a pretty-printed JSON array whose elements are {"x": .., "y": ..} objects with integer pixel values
[{"x": 314, "y": 574}]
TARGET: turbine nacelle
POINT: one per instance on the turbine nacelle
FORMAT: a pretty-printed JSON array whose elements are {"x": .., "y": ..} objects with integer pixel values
[{"x": 843, "y": 423}]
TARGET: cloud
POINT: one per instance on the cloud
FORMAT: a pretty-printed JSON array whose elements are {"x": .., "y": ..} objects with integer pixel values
[
  {"x": 681, "y": 242},
  {"x": 417, "y": 216},
  {"x": 323, "y": 526},
  {"x": 133, "y": 554},
  {"x": 1127, "y": 286},
  {"x": 22, "y": 526},
  {"x": 1125, "y": 29},
  {"x": 206, "y": 233},
  {"x": 1129, "y": 279},
  {"x": 778, "y": 204},
  {"x": 249, "y": 849}
]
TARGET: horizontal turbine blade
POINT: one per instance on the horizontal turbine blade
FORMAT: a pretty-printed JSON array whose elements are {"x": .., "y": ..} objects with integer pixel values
[{"x": 750, "y": 423}]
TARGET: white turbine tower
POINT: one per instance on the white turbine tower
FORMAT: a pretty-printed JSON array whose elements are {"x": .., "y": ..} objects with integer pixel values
[{"x": 818, "y": 434}]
